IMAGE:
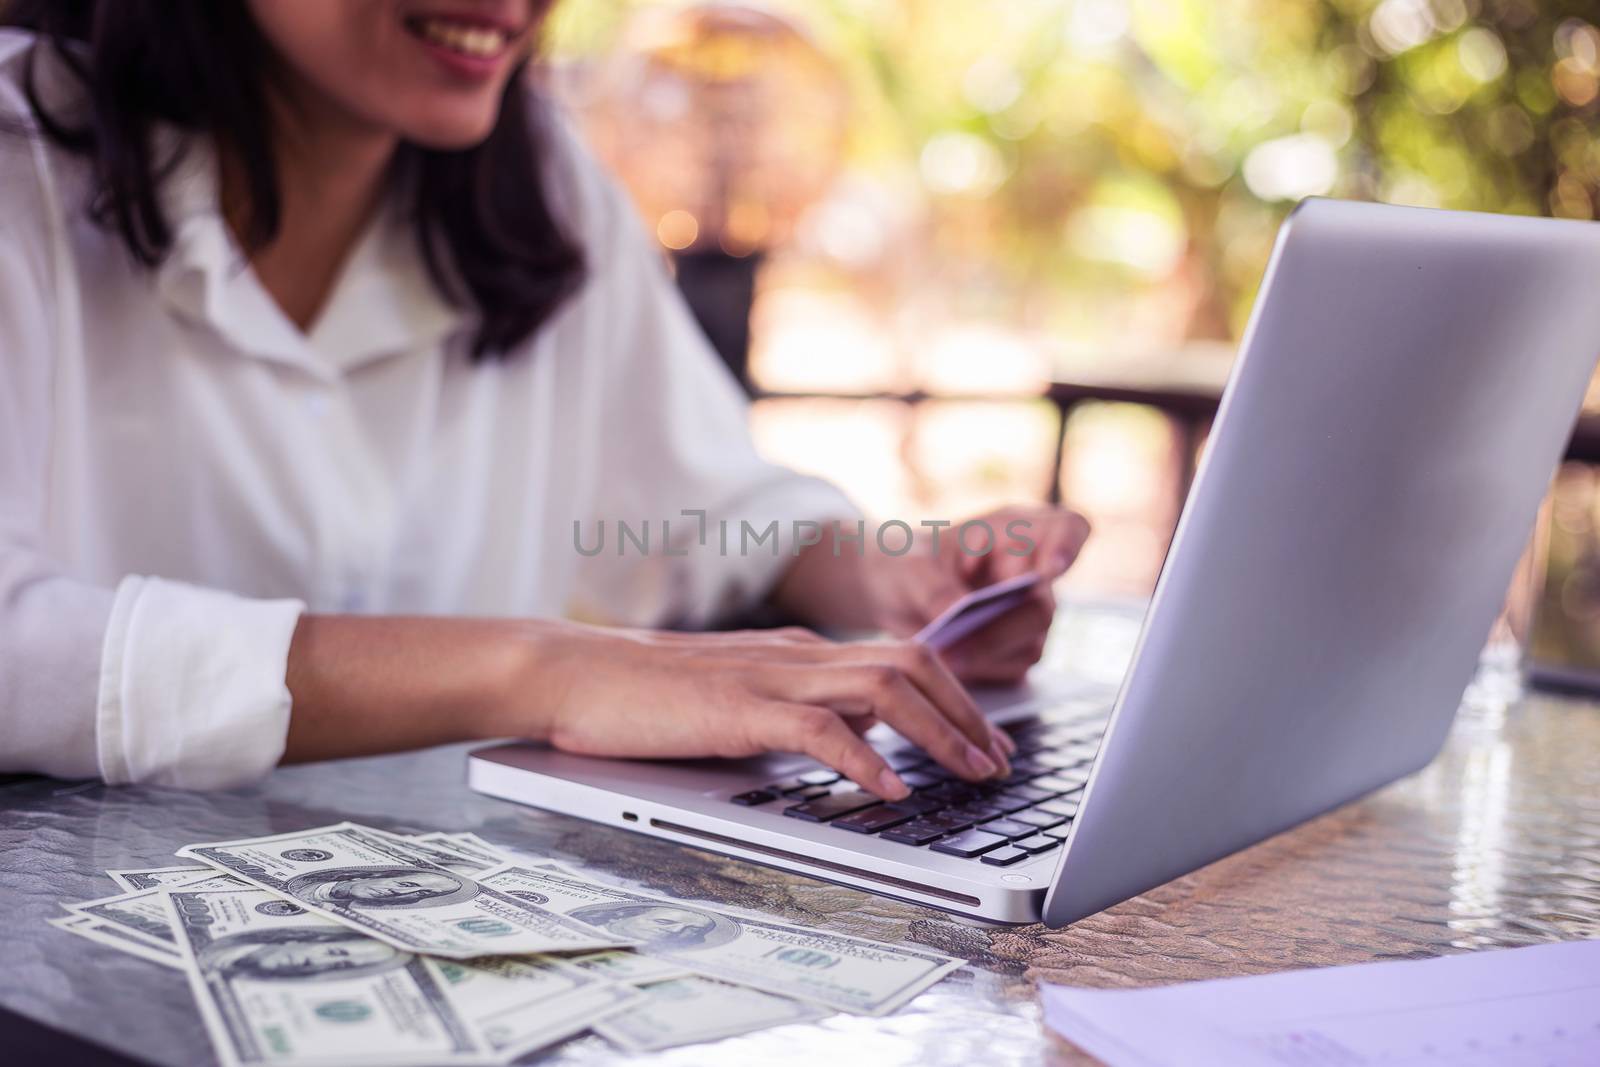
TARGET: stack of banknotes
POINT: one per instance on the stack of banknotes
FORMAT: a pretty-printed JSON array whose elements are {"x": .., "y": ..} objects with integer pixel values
[{"x": 347, "y": 944}]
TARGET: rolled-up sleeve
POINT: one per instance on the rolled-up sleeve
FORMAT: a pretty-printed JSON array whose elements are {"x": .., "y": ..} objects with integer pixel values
[
  {"x": 191, "y": 690},
  {"x": 675, "y": 439},
  {"x": 152, "y": 681}
]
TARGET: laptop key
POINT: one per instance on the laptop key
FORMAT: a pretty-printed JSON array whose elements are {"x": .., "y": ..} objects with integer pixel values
[
  {"x": 1056, "y": 783},
  {"x": 831, "y": 806},
  {"x": 822, "y": 776},
  {"x": 981, "y": 810},
  {"x": 1007, "y": 803},
  {"x": 951, "y": 820},
  {"x": 871, "y": 820},
  {"x": 1041, "y": 819},
  {"x": 1031, "y": 793},
  {"x": 920, "y": 803},
  {"x": 1018, "y": 776},
  {"x": 810, "y": 792},
  {"x": 1066, "y": 807},
  {"x": 1009, "y": 828},
  {"x": 919, "y": 779},
  {"x": 961, "y": 818},
  {"x": 954, "y": 792},
  {"x": 1005, "y": 857},
  {"x": 1037, "y": 843},
  {"x": 754, "y": 797},
  {"x": 1059, "y": 832},
  {"x": 968, "y": 844},
  {"x": 915, "y": 832}
]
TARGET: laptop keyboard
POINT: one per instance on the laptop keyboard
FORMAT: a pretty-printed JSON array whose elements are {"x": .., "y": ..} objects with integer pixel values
[{"x": 998, "y": 822}]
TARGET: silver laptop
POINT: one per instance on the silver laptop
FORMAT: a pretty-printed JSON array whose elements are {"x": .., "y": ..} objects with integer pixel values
[{"x": 1403, "y": 394}]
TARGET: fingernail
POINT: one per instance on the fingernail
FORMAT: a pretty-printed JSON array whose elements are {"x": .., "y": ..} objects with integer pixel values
[
  {"x": 890, "y": 787},
  {"x": 981, "y": 765},
  {"x": 1005, "y": 740}
]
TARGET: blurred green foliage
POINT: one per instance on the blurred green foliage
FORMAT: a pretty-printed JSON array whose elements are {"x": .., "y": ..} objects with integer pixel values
[{"x": 1109, "y": 145}]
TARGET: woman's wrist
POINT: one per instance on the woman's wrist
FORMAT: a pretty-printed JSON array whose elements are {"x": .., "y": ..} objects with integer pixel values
[
  {"x": 528, "y": 678},
  {"x": 825, "y": 587},
  {"x": 857, "y": 586}
]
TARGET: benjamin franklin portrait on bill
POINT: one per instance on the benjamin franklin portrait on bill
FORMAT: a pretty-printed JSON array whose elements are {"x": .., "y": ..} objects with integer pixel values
[
  {"x": 301, "y": 953},
  {"x": 381, "y": 887},
  {"x": 660, "y": 925}
]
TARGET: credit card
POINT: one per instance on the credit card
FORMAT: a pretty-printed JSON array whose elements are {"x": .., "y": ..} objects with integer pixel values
[{"x": 976, "y": 610}]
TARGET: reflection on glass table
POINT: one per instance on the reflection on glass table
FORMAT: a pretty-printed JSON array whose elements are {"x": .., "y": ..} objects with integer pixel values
[{"x": 1496, "y": 843}]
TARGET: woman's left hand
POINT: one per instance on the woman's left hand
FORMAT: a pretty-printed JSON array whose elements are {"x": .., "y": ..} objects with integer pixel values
[{"x": 910, "y": 590}]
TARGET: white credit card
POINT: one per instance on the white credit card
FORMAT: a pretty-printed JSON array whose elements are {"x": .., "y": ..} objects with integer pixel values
[{"x": 976, "y": 610}]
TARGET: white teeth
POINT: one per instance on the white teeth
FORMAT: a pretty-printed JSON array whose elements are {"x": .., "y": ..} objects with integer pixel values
[{"x": 478, "y": 41}]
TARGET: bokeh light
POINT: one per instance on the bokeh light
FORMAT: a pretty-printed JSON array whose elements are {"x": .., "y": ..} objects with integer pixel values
[{"x": 1019, "y": 189}]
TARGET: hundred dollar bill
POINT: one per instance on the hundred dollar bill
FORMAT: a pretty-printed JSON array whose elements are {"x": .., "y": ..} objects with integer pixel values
[
  {"x": 445, "y": 853},
  {"x": 685, "y": 1011},
  {"x": 279, "y": 985},
  {"x": 87, "y": 927},
  {"x": 847, "y": 973},
  {"x": 141, "y": 913},
  {"x": 471, "y": 845},
  {"x": 616, "y": 965},
  {"x": 381, "y": 885},
  {"x": 151, "y": 877},
  {"x": 518, "y": 1004}
]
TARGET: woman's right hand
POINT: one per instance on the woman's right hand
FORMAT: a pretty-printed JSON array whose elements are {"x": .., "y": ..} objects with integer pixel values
[{"x": 643, "y": 693}]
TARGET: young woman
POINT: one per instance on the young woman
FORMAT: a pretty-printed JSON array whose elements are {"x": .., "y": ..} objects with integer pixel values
[{"x": 320, "y": 334}]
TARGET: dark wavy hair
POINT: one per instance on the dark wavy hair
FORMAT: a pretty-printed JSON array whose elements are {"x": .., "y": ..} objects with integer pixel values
[{"x": 483, "y": 221}]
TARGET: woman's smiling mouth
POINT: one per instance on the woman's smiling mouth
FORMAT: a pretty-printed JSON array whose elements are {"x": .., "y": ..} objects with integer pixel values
[{"x": 475, "y": 39}]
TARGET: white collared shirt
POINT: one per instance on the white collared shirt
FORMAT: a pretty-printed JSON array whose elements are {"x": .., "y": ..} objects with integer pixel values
[{"x": 183, "y": 471}]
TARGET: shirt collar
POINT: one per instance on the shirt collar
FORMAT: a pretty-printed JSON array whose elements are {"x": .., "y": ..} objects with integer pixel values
[
  {"x": 383, "y": 303},
  {"x": 385, "y": 299}
]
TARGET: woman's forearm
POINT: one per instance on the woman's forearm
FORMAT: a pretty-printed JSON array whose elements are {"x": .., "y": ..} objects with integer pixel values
[
  {"x": 363, "y": 685},
  {"x": 369, "y": 685},
  {"x": 827, "y": 590}
]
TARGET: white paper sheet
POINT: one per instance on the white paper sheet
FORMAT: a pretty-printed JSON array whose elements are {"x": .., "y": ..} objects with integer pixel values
[{"x": 1536, "y": 1006}]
